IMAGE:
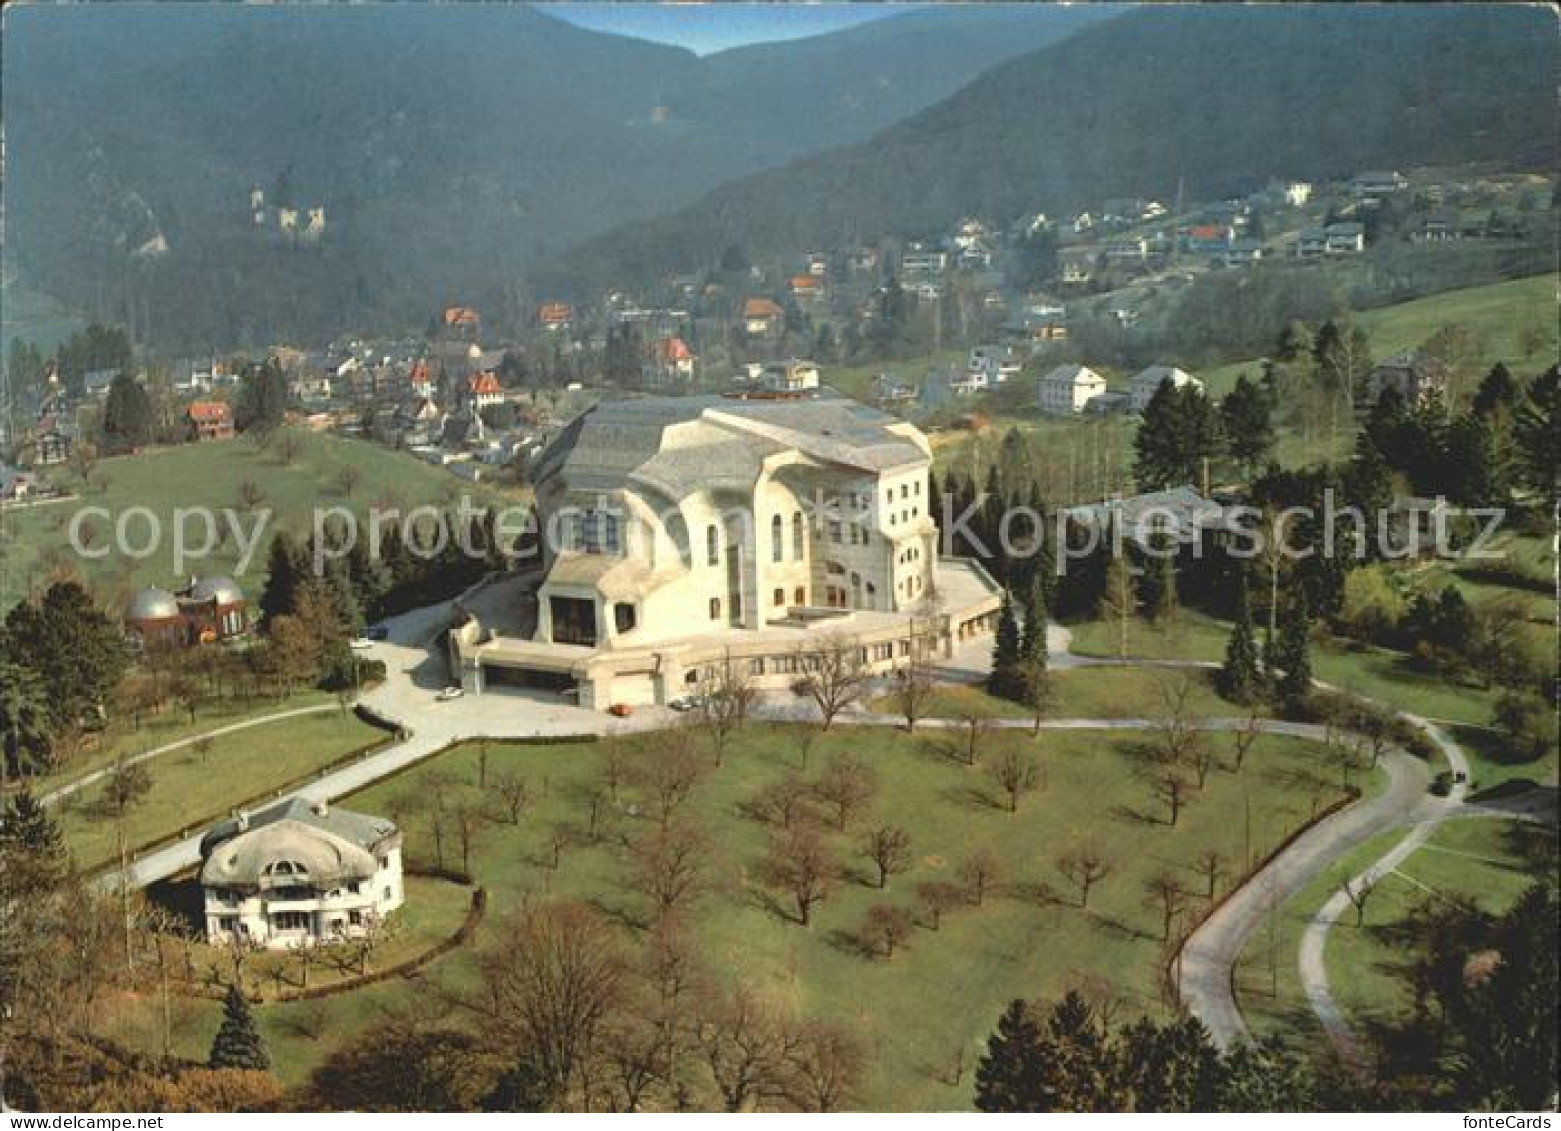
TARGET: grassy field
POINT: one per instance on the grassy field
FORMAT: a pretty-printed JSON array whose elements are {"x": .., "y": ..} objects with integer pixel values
[
  {"x": 1087, "y": 693},
  {"x": 1499, "y": 316},
  {"x": 35, "y": 541},
  {"x": 189, "y": 788},
  {"x": 1484, "y": 861},
  {"x": 940, "y": 995}
]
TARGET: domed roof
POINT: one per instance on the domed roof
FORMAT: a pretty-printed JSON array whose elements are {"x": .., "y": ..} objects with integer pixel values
[
  {"x": 287, "y": 852},
  {"x": 152, "y": 604},
  {"x": 222, "y": 590}
]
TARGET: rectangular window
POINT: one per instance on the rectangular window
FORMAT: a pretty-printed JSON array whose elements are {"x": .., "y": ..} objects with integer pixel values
[
  {"x": 834, "y": 531},
  {"x": 780, "y": 597},
  {"x": 715, "y": 608},
  {"x": 800, "y": 596},
  {"x": 290, "y": 921},
  {"x": 756, "y": 666},
  {"x": 713, "y": 545},
  {"x": 623, "y": 616}
]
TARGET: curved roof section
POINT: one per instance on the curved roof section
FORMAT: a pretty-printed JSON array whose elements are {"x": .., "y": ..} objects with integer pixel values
[
  {"x": 678, "y": 445},
  {"x": 222, "y": 590},
  {"x": 152, "y": 604},
  {"x": 332, "y": 844}
]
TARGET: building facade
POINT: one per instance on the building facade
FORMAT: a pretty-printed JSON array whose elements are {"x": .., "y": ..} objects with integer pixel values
[{"x": 299, "y": 873}]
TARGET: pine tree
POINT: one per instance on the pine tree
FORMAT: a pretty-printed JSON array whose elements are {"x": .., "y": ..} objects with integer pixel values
[
  {"x": 1295, "y": 684},
  {"x": 1239, "y": 677},
  {"x": 285, "y": 572},
  {"x": 1247, "y": 416},
  {"x": 31, "y": 846},
  {"x": 1116, "y": 598},
  {"x": 1005, "y": 680},
  {"x": 1008, "y": 1073},
  {"x": 238, "y": 1043},
  {"x": 1032, "y": 640},
  {"x": 1498, "y": 393},
  {"x": 1539, "y": 432},
  {"x": 127, "y": 415},
  {"x": 1157, "y": 586}
]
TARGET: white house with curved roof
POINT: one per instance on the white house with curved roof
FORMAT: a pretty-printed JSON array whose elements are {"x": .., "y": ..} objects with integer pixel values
[
  {"x": 299, "y": 872},
  {"x": 678, "y": 528}
]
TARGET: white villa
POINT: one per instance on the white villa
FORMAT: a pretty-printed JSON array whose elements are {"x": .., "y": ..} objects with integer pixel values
[
  {"x": 682, "y": 532},
  {"x": 1068, "y": 388},
  {"x": 1147, "y": 382},
  {"x": 297, "y": 873},
  {"x": 792, "y": 376}
]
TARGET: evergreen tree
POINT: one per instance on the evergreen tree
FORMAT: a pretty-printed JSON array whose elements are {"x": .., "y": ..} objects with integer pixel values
[
  {"x": 1032, "y": 640},
  {"x": 1539, "y": 432},
  {"x": 1180, "y": 429},
  {"x": 1116, "y": 598},
  {"x": 77, "y": 651},
  {"x": 31, "y": 846},
  {"x": 1472, "y": 475},
  {"x": 1266, "y": 1076},
  {"x": 1239, "y": 677},
  {"x": 1246, "y": 414},
  {"x": 127, "y": 415},
  {"x": 1171, "y": 1068},
  {"x": 1499, "y": 392},
  {"x": 1081, "y": 1070},
  {"x": 1368, "y": 486},
  {"x": 261, "y": 401},
  {"x": 238, "y": 1043},
  {"x": 26, "y": 725},
  {"x": 286, "y": 571},
  {"x": 1294, "y": 660},
  {"x": 990, "y": 525},
  {"x": 1008, "y": 1073},
  {"x": 1006, "y": 679},
  {"x": 1157, "y": 583}
]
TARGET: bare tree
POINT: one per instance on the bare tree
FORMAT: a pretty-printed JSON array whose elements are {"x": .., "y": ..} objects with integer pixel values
[
  {"x": 802, "y": 863},
  {"x": 551, "y": 984},
  {"x": 936, "y": 897},
  {"x": 913, "y": 688},
  {"x": 251, "y": 494},
  {"x": 669, "y": 866},
  {"x": 1016, "y": 773},
  {"x": 979, "y": 873},
  {"x": 1085, "y": 865},
  {"x": 747, "y": 1045},
  {"x": 467, "y": 819},
  {"x": 783, "y": 802},
  {"x": 1173, "y": 732},
  {"x": 1200, "y": 757},
  {"x": 889, "y": 848},
  {"x": 825, "y": 1065},
  {"x": 614, "y": 770},
  {"x": 1165, "y": 891},
  {"x": 1170, "y": 787},
  {"x": 846, "y": 786},
  {"x": 348, "y": 476},
  {"x": 727, "y": 696},
  {"x": 805, "y": 738},
  {"x": 834, "y": 675},
  {"x": 885, "y": 928},
  {"x": 1358, "y": 891},
  {"x": 971, "y": 739},
  {"x": 513, "y": 794},
  {"x": 667, "y": 773},
  {"x": 1211, "y": 862},
  {"x": 1246, "y": 738},
  {"x": 288, "y": 444}
]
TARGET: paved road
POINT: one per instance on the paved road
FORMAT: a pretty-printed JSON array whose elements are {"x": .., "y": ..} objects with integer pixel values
[
  {"x": 59, "y": 794},
  {"x": 1429, "y": 813}
]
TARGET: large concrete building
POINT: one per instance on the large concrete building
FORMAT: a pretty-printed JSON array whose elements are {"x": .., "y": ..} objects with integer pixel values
[{"x": 681, "y": 532}]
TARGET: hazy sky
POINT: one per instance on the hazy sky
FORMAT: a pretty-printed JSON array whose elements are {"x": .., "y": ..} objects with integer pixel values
[{"x": 707, "y": 27}]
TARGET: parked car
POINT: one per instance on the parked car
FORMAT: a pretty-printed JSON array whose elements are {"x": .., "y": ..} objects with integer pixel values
[
  {"x": 377, "y": 632},
  {"x": 621, "y": 710},
  {"x": 687, "y": 703},
  {"x": 450, "y": 693}
]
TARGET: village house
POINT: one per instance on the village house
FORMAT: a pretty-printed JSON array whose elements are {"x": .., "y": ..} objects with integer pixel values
[
  {"x": 555, "y": 317},
  {"x": 52, "y": 439},
  {"x": 669, "y": 361},
  {"x": 1415, "y": 376},
  {"x": 461, "y": 322},
  {"x": 807, "y": 288},
  {"x": 482, "y": 390},
  {"x": 791, "y": 376},
  {"x": 1179, "y": 514},
  {"x": 209, "y": 420},
  {"x": 204, "y": 611},
  {"x": 1147, "y": 382},
  {"x": 1068, "y": 389},
  {"x": 299, "y": 873},
  {"x": 1344, "y": 238},
  {"x": 1075, "y": 265},
  {"x": 15, "y": 485},
  {"x": 1374, "y": 185},
  {"x": 862, "y": 261},
  {"x": 919, "y": 263},
  {"x": 685, "y": 533},
  {"x": 762, "y": 318}
]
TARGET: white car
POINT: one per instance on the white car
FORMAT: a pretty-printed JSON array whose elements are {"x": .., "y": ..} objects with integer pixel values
[
  {"x": 360, "y": 643},
  {"x": 450, "y": 693}
]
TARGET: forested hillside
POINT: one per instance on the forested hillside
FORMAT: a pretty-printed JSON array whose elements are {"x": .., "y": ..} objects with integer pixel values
[
  {"x": 1203, "y": 100},
  {"x": 451, "y": 147}
]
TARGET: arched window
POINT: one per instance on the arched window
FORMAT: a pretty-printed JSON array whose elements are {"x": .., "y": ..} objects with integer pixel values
[
  {"x": 713, "y": 544},
  {"x": 797, "y": 540},
  {"x": 777, "y": 539}
]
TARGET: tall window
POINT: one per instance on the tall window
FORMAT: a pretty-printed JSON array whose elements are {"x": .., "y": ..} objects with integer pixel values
[
  {"x": 797, "y": 538},
  {"x": 777, "y": 539},
  {"x": 713, "y": 545}
]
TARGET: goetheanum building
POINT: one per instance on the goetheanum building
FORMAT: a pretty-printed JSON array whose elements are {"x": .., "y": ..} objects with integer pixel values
[
  {"x": 680, "y": 532},
  {"x": 299, "y": 872},
  {"x": 207, "y": 609}
]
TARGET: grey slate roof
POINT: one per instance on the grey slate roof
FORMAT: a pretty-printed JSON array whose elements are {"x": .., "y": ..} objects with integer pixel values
[{"x": 357, "y": 828}]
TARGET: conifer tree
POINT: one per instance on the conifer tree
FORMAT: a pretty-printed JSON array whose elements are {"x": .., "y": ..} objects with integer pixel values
[
  {"x": 238, "y": 1043},
  {"x": 1295, "y": 682},
  {"x": 1240, "y": 678},
  {"x": 285, "y": 572},
  {"x": 1116, "y": 597},
  {"x": 1008, "y": 1073},
  {"x": 1005, "y": 680},
  {"x": 1158, "y": 584}
]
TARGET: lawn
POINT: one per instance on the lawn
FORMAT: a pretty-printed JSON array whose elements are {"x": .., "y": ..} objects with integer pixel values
[
  {"x": 935, "y": 1000},
  {"x": 1084, "y": 693},
  {"x": 1485, "y": 861},
  {"x": 36, "y": 540},
  {"x": 1497, "y": 315},
  {"x": 190, "y": 789}
]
